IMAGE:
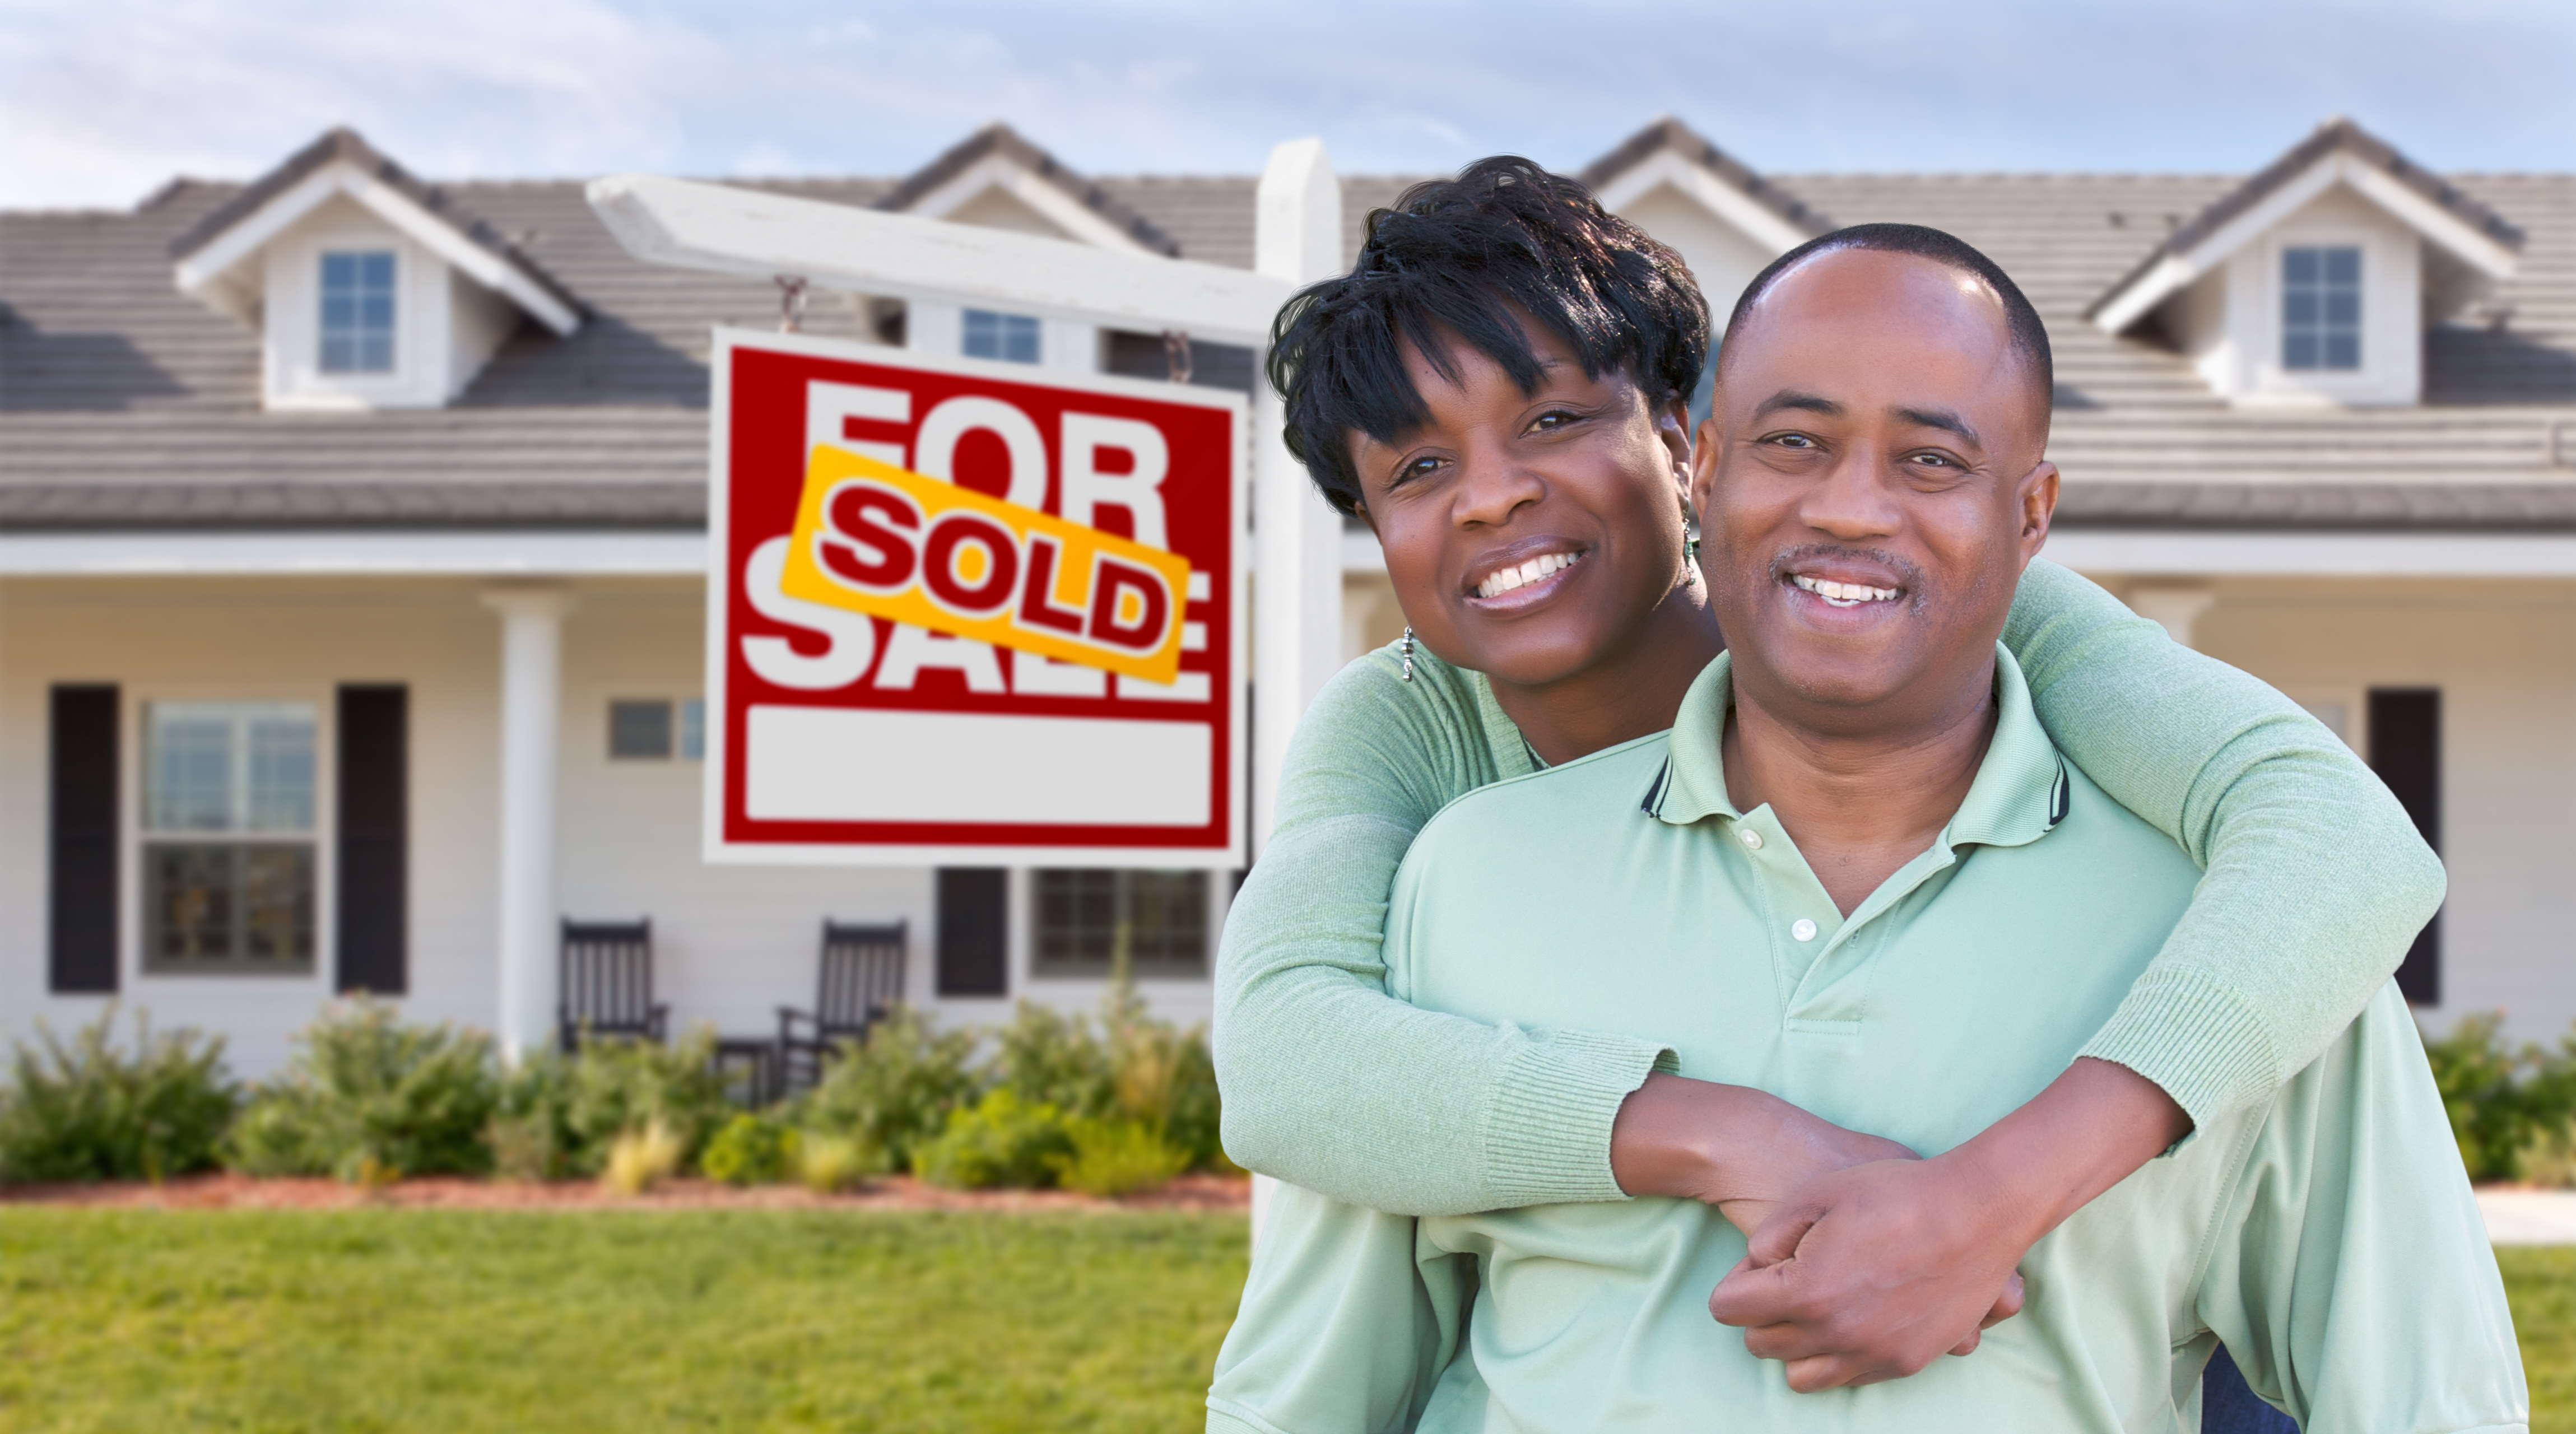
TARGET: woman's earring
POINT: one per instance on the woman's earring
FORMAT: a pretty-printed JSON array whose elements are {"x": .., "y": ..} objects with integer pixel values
[
  {"x": 1407, "y": 647},
  {"x": 1690, "y": 553}
]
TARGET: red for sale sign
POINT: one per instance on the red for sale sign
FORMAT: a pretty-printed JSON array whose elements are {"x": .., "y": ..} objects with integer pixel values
[{"x": 971, "y": 613}]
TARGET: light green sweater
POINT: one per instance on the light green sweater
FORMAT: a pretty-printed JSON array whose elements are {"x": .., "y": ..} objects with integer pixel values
[{"x": 2314, "y": 883}]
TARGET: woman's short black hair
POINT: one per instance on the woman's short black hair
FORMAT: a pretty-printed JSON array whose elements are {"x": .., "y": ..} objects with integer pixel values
[
  {"x": 2021, "y": 321},
  {"x": 1460, "y": 255}
]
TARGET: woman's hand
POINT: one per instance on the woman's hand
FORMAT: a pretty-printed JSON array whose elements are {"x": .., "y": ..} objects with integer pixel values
[{"x": 1743, "y": 1150}]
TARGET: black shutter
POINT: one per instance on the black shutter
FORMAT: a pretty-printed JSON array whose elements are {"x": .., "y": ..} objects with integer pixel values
[
  {"x": 2406, "y": 752},
  {"x": 82, "y": 910},
  {"x": 974, "y": 931},
  {"x": 374, "y": 906}
]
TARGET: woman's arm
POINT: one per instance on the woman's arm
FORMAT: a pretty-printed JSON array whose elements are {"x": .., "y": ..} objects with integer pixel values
[
  {"x": 2315, "y": 880},
  {"x": 1329, "y": 1082}
]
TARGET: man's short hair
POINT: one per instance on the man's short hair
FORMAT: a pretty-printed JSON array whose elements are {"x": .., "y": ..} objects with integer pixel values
[
  {"x": 2029, "y": 335},
  {"x": 1459, "y": 255}
]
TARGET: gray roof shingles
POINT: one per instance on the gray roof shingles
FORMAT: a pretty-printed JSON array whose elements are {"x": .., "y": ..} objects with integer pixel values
[{"x": 123, "y": 403}]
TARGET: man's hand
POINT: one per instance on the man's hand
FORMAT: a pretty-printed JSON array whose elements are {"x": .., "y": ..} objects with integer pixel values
[{"x": 1871, "y": 1273}]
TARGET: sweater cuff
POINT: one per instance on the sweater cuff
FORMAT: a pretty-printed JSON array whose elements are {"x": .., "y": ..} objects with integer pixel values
[
  {"x": 2196, "y": 1037},
  {"x": 1547, "y": 1121}
]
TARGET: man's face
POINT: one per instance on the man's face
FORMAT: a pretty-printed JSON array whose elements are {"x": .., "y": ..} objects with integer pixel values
[
  {"x": 1870, "y": 487},
  {"x": 1528, "y": 535}
]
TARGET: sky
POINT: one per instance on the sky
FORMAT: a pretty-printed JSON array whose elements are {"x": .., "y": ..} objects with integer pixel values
[{"x": 101, "y": 101}]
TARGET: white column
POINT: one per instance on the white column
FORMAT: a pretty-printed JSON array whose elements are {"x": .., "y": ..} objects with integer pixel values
[
  {"x": 531, "y": 709},
  {"x": 1297, "y": 537},
  {"x": 2178, "y": 609}
]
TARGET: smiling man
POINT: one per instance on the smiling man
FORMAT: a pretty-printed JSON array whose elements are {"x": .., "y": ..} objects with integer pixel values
[{"x": 1856, "y": 874}]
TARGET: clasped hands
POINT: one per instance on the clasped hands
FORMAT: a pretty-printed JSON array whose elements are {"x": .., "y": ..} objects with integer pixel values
[{"x": 1864, "y": 1262}]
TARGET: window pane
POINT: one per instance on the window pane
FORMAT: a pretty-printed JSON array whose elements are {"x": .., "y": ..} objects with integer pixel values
[
  {"x": 2299, "y": 266},
  {"x": 218, "y": 906},
  {"x": 693, "y": 729},
  {"x": 639, "y": 729},
  {"x": 276, "y": 902},
  {"x": 188, "y": 902},
  {"x": 188, "y": 767},
  {"x": 280, "y": 742},
  {"x": 2299, "y": 351},
  {"x": 2321, "y": 308},
  {"x": 357, "y": 333},
  {"x": 1011, "y": 338},
  {"x": 2343, "y": 351},
  {"x": 1084, "y": 918},
  {"x": 2343, "y": 308},
  {"x": 2343, "y": 266}
]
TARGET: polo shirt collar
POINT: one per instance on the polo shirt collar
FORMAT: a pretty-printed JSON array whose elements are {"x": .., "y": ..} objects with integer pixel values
[{"x": 2021, "y": 790}]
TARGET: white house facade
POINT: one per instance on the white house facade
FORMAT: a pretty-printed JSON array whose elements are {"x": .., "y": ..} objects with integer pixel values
[{"x": 352, "y": 554}]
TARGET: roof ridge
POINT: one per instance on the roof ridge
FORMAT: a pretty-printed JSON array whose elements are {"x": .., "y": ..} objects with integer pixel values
[
  {"x": 1000, "y": 138},
  {"x": 1668, "y": 132}
]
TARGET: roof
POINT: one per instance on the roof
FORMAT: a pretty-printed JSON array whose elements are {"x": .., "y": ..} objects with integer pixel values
[
  {"x": 1669, "y": 134},
  {"x": 2334, "y": 137},
  {"x": 123, "y": 403},
  {"x": 342, "y": 145},
  {"x": 1000, "y": 139}
]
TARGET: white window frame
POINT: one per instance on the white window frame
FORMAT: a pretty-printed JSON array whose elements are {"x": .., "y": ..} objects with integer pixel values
[
  {"x": 679, "y": 703},
  {"x": 2383, "y": 356},
  {"x": 322, "y": 258},
  {"x": 133, "y": 836}
]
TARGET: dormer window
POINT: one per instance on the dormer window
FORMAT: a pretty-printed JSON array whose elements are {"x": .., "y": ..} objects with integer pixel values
[
  {"x": 1011, "y": 338},
  {"x": 2321, "y": 308},
  {"x": 358, "y": 312}
]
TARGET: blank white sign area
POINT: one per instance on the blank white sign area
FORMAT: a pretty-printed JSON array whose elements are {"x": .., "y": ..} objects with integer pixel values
[{"x": 826, "y": 764}]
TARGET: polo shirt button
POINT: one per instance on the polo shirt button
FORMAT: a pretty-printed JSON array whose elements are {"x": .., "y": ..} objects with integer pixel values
[
  {"x": 1752, "y": 839},
  {"x": 1803, "y": 929}
]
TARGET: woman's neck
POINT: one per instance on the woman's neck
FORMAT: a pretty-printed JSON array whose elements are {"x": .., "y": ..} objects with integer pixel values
[{"x": 1631, "y": 692}]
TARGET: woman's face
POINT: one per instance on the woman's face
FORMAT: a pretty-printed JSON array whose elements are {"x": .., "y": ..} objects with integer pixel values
[{"x": 1528, "y": 535}]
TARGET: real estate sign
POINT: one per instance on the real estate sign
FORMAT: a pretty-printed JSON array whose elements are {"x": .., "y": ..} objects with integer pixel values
[{"x": 967, "y": 612}]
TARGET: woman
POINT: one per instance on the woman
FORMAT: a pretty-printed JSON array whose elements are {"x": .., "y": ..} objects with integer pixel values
[{"x": 2315, "y": 880}]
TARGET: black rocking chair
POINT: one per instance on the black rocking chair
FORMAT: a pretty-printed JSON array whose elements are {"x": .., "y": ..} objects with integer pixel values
[
  {"x": 861, "y": 981},
  {"x": 608, "y": 982}
]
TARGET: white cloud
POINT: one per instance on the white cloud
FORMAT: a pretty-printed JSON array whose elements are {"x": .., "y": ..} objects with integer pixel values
[{"x": 101, "y": 100}]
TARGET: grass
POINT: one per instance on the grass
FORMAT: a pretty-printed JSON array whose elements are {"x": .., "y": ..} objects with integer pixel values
[
  {"x": 458, "y": 1321},
  {"x": 454, "y": 1321}
]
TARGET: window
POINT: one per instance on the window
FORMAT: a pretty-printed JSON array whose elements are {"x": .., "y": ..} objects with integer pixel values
[
  {"x": 654, "y": 729},
  {"x": 2321, "y": 308},
  {"x": 1086, "y": 918},
  {"x": 358, "y": 312},
  {"x": 228, "y": 801},
  {"x": 1007, "y": 337}
]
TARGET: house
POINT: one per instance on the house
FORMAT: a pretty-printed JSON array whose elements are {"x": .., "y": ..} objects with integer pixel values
[{"x": 305, "y": 482}]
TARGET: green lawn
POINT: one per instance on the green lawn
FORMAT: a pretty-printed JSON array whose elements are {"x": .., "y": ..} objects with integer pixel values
[
  {"x": 700, "y": 1320},
  {"x": 453, "y": 1321}
]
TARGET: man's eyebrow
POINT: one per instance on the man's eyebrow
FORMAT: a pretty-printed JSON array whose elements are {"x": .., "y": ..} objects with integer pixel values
[
  {"x": 1940, "y": 418},
  {"x": 1805, "y": 402}
]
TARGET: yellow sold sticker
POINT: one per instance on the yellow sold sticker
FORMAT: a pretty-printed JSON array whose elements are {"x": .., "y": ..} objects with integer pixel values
[{"x": 874, "y": 538}]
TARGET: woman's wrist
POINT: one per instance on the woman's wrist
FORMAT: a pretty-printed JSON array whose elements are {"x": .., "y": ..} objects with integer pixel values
[{"x": 2093, "y": 1127}]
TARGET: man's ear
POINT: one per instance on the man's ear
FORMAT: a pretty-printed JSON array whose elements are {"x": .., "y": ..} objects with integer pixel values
[{"x": 2037, "y": 495}]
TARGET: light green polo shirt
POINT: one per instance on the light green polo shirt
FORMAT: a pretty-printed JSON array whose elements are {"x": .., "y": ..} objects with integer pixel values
[{"x": 2328, "y": 1235}]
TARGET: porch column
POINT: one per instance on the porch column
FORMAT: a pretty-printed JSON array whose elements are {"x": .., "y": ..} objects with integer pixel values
[
  {"x": 2177, "y": 609},
  {"x": 531, "y": 706}
]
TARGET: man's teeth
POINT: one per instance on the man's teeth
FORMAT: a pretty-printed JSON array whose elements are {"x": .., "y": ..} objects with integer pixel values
[
  {"x": 1527, "y": 573},
  {"x": 1843, "y": 594}
]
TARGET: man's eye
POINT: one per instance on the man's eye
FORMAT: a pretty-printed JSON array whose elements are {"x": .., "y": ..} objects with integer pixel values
[
  {"x": 1934, "y": 460},
  {"x": 1791, "y": 440}
]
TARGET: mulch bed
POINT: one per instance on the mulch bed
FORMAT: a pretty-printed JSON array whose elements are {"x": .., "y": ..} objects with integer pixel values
[{"x": 895, "y": 1192}]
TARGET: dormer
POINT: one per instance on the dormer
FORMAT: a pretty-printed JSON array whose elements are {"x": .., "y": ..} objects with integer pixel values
[
  {"x": 369, "y": 288},
  {"x": 998, "y": 180},
  {"x": 1726, "y": 222},
  {"x": 2313, "y": 282}
]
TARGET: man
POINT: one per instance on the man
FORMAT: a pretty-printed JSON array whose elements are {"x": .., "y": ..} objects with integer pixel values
[{"x": 1857, "y": 875}]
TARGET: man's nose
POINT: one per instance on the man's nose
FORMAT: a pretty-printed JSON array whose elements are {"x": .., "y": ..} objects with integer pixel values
[
  {"x": 1852, "y": 500},
  {"x": 1492, "y": 486}
]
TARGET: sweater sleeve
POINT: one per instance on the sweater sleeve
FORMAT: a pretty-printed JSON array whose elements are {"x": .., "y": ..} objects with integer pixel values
[
  {"x": 2314, "y": 880},
  {"x": 1330, "y": 1083}
]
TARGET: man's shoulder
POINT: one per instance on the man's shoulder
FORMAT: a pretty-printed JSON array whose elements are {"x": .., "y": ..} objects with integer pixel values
[{"x": 1594, "y": 791}]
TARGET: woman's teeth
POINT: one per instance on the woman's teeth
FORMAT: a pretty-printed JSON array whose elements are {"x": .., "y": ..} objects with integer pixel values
[
  {"x": 1527, "y": 573},
  {"x": 1843, "y": 594}
]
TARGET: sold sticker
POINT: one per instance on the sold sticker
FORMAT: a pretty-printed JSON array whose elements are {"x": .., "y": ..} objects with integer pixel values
[{"x": 877, "y": 539}]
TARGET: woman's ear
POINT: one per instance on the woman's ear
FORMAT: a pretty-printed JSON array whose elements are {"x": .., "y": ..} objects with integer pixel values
[
  {"x": 1672, "y": 425},
  {"x": 1361, "y": 511}
]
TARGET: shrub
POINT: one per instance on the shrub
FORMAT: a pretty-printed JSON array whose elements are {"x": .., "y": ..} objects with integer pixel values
[
  {"x": 366, "y": 1094},
  {"x": 1118, "y": 1157},
  {"x": 531, "y": 1131},
  {"x": 1001, "y": 1140},
  {"x": 1049, "y": 1058},
  {"x": 638, "y": 1160},
  {"x": 829, "y": 1164},
  {"x": 750, "y": 1150},
  {"x": 619, "y": 1087},
  {"x": 894, "y": 1093},
  {"x": 92, "y": 1111}
]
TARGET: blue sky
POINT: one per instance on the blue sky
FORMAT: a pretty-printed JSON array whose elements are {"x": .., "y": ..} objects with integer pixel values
[{"x": 101, "y": 100}]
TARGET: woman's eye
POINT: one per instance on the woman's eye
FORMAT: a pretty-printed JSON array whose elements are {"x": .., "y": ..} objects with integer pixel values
[
  {"x": 1553, "y": 420},
  {"x": 1418, "y": 468}
]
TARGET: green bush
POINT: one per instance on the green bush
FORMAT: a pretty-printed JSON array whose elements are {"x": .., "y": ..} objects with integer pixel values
[
  {"x": 2509, "y": 1108},
  {"x": 894, "y": 1093},
  {"x": 92, "y": 1111},
  {"x": 531, "y": 1131},
  {"x": 619, "y": 1087},
  {"x": 750, "y": 1150},
  {"x": 1001, "y": 1140},
  {"x": 1118, "y": 1157},
  {"x": 367, "y": 1096},
  {"x": 1049, "y": 1058}
]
